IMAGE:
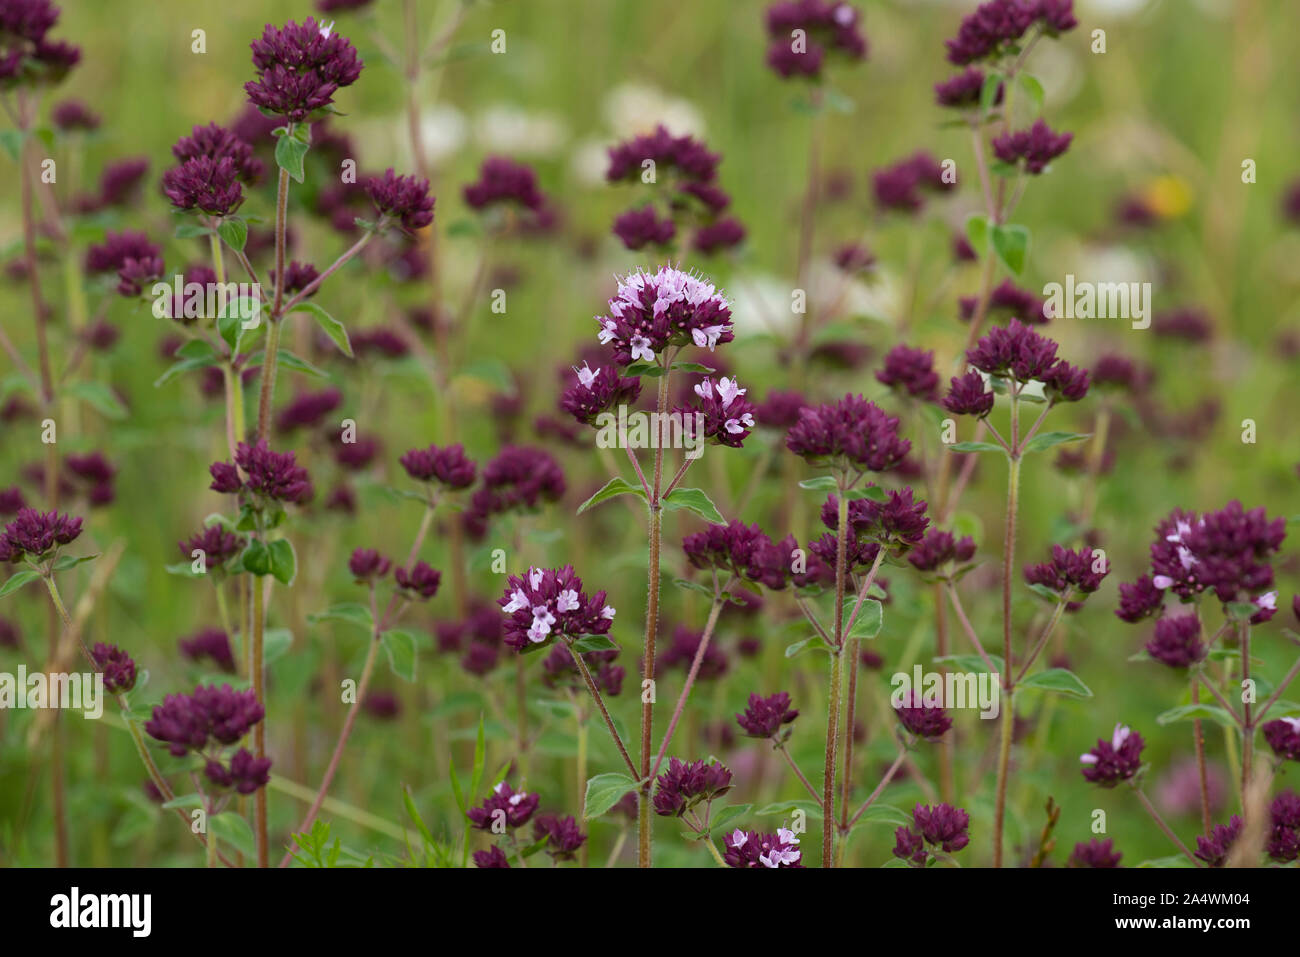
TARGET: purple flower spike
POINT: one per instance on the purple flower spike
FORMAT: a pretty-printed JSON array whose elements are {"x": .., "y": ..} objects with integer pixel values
[
  {"x": 753, "y": 849},
  {"x": 117, "y": 666},
  {"x": 504, "y": 807},
  {"x": 851, "y": 434},
  {"x": 550, "y": 603}
]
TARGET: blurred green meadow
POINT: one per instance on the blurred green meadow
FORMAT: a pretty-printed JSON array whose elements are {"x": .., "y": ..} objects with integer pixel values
[{"x": 1185, "y": 92}]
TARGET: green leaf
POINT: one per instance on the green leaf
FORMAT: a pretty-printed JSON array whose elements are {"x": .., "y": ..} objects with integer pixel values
[
  {"x": 648, "y": 369},
  {"x": 1047, "y": 440},
  {"x": 1059, "y": 680},
  {"x": 289, "y": 155},
  {"x": 1011, "y": 243},
  {"x": 185, "y": 365},
  {"x": 815, "y": 642},
  {"x": 283, "y": 560},
  {"x": 352, "y": 612},
  {"x": 256, "y": 558},
  {"x": 191, "y": 231},
  {"x": 1190, "y": 712},
  {"x": 975, "y": 447},
  {"x": 231, "y": 828},
  {"x": 871, "y": 616},
  {"x": 691, "y": 367},
  {"x": 989, "y": 92},
  {"x": 196, "y": 349},
  {"x": 17, "y": 581},
  {"x": 838, "y": 101},
  {"x": 603, "y": 792},
  {"x": 972, "y": 663},
  {"x": 104, "y": 400},
  {"x": 329, "y": 325},
  {"x": 1030, "y": 84},
  {"x": 594, "y": 643},
  {"x": 1045, "y": 591},
  {"x": 719, "y": 822},
  {"x": 884, "y": 814},
  {"x": 693, "y": 500},
  {"x": 787, "y": 808},
  {"x": 400, "y": 646},
  {"x": 298, "y": 364},
  {"x": 822, "y": 483},
  {"x": 276, "y": 644},
  {"x": 64, "y": 562},
  {"x": 234, "y": 233},
  {"x": 693, "y": 586},
  {"x": 612, "y": 488},
  {"x": 183, "y": 800}
]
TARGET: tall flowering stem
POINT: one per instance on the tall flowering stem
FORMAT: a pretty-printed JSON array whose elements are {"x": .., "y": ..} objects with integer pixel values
[
  {"x": 833, "y": 694},
  {"x": 651, "y": 628},
  {"x": 714, "y": 611},
  {"x": 1008, "y": 564},
  {"x": 855, "y": 648}
]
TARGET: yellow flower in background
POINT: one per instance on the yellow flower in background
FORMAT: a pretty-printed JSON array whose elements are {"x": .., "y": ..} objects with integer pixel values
[{"x": 1168, "y": 196}]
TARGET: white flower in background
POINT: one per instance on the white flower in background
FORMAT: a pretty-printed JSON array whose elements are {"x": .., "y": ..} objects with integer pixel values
[
  {"x": 517, "y": 132},
  {"x": 633, "y": 108}
]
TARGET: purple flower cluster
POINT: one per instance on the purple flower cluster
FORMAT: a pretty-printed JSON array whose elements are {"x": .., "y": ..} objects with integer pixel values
[
  {"x": 502, "y": 181},
  {"x": 728, "y": 417},
  {"x": 1177, "y": 641},
  {"x": 1034, "y": 147},
  {"x": 367, "y": 565},
  {"x": 1011, "y": 300},
  {"x": 504, "y": 807},
  {"x": 963, "y": 90},
  {"x": 911, "y": 371},
  {"x": 898, "y": 187},
  {"x": 1096, "y": 853},
  {"x": 1069, "y": 572},
  {"x": 925, "y": 720},
  {"x": 186, "y": 722},
  {"x": 217, "y": 545},
  {"x": 1283, "y": 736},
  {"x": 754, "y": 849},
  {"x": 1227, "y": 552},
  {"x": 683, "y": 786},
  {"x": 136, "y": 260},
  {"x": 651, "y": 312},
  {"x": 549, "y": 603},
  {"x": 942, "y": 826},
  {"x": 638, "y": 228},
  {"x": 299, "y": 69},
  {"x": 598, "y": 390},
  {"x": 212, "y": 644},
  {"x": 1019, "y": 353},
  {"x": 273, "y": 476},
  {"x": 1214, "y": 850},
  {"x": 117, "y": 667},
  {"x": 969, "y": 395},
  {"x": 245, "y": 773},
  {"x": 764, "y": 717},
  {"x": 27, "y": 55},
  {"x": 419, "y": 582},
  {"x": 35, "y": 535},
  {"x": 803, "y": 32},
  {"x": 559, "y": 667},
  {"x": 995, "y": 28},
  {"x": 1113, "y": 761},
  {"x": 685, "y": 157},
  {"x": 939, "y": 550},
  {"x": 206, "y": 184},
  {"x": 1284, "y": 836},
  {"x": 563, "y": 837},
  {"x": 404, "y": 200},
  {"x": 737, "y": 549},
  {"x": 896, "y": 524},
  {"x": 447, "y": 467},
  {"x": 851, "y": 434},
  {"x": 518, "y": 478}
]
